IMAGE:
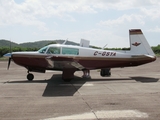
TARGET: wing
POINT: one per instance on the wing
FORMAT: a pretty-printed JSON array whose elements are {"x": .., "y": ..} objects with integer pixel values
[{"x": 63, "y": 62}]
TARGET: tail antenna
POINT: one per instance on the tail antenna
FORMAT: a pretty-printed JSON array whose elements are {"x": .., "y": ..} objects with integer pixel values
[{"x": 104, "y": 47}]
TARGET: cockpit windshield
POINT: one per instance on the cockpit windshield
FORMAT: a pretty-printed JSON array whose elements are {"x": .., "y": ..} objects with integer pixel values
[{"x": 43, "y": 50}]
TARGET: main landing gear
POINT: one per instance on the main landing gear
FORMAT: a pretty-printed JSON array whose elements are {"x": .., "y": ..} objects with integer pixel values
[
  {"x": 105, "y": 72},
  {"x": 30, "y": 76},
  {"x": 68, "y": 74},
  {"x": 86, "y": 74}
]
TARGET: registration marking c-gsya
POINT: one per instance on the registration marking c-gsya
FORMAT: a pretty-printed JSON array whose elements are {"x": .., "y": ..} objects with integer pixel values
[{"x": 105, "y": 53}]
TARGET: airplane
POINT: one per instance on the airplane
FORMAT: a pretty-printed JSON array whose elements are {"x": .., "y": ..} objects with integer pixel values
[{"x": 69, "y": 58}]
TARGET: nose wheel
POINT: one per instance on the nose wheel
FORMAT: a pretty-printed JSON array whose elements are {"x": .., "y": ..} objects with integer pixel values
[{"x": 30, "y": 76}]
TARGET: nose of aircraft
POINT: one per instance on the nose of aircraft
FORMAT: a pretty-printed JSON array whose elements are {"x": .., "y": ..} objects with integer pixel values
[{"x": 9, "y": 55}]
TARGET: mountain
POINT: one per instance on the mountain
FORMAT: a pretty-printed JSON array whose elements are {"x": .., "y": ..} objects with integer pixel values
[
  {"x": 37, "y": 44},
  {"x": 7, "y": 43}
]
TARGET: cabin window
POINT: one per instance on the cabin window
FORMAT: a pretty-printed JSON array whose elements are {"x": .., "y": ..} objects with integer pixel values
[
  {"x": 53, "y": 50},
  {"x": 70, "y": 51},
  {"x": 43, "y": 50}
]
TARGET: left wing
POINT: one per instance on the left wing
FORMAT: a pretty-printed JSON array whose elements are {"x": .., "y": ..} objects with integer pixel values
[{"x": 61, "y": 62}]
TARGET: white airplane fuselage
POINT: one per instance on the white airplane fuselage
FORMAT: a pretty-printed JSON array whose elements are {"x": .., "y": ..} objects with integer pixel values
[
  {"x": 82, "y": 58},
  {"x": 69, "y": 58}
]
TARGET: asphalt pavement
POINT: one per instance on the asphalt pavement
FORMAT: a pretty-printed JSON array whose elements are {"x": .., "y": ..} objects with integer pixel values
[{"x": 130, "y": 93}]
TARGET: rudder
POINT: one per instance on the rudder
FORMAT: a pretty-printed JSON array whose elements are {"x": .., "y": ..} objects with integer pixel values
[{"x": 138, "y": 43}]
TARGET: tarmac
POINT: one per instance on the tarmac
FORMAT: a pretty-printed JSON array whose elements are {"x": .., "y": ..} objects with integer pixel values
[{"x": 129, "y": 94}]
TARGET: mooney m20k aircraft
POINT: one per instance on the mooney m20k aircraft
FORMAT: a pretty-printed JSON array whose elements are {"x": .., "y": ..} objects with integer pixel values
[{"x": 69, "y": 58}]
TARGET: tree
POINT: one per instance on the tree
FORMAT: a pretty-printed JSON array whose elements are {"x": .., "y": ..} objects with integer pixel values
[{"x": 52, "y": 43}]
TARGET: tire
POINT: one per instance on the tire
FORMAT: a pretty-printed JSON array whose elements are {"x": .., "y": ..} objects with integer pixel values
[
  {"x": 105, "y": 72},
  {"x": 102, "y": 72},
  {"x": 30, "y": 77}
]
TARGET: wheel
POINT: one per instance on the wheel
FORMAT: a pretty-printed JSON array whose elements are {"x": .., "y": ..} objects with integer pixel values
[
  {"x": 106, "y": 72},
  {"x": 103, "y": 73},
  {"x": 30, "y": 77}
]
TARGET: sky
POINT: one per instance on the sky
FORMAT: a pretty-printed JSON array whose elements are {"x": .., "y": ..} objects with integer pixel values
[{"x": 100, "y": 21}]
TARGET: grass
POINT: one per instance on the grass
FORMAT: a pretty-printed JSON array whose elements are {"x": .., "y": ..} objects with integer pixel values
[
  {"x": 158, "y": 55},
  {"x": 3, "y": 59}
]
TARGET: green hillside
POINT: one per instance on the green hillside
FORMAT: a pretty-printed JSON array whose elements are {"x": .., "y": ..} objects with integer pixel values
[
  {"x": 34, "y": 46},
  {"x": 7, "y": 43},
  {"x": 37, "y": 44}
]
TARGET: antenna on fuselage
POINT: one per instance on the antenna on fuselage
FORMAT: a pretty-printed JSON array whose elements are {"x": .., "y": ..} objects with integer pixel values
[
  {"x": 65, "y": 41},
  {"x": 104, "y": 46}
]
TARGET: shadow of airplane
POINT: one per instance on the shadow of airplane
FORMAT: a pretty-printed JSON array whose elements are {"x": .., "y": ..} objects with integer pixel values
[
  {"x": 56, "y": 87},
  {"x": 145, "y": 79}
]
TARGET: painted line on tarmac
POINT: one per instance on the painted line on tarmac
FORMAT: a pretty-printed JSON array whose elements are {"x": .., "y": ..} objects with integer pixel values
[
  {"x": 84, "y": 85},
  {"x": 51, "y": 71},
  {"x": 112, "y": 114}
]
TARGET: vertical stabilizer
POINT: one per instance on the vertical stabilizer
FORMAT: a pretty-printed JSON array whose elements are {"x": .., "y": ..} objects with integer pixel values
[{"x": 138, "y": 43}]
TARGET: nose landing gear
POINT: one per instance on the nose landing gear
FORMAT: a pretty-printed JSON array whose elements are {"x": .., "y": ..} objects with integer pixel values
[{"x": 30, "y": 76}]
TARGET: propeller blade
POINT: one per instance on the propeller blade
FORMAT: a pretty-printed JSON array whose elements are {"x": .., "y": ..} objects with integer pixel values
[{"x": 9, "y": 62}]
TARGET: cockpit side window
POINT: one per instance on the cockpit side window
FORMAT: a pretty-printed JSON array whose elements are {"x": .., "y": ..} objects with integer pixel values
[
  {"x": 53, "y": 50},
  {"x": 43, "y": 50},
  {"x": 71, "y": 51}
]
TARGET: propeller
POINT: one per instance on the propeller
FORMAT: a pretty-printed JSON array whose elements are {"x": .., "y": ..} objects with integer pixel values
[
  {"x": 9, "y": 56},
  {"x": 9, "y": 62}
]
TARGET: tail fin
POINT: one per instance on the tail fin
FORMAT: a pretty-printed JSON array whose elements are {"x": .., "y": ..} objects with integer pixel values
[{"x": 138, "y": 43}]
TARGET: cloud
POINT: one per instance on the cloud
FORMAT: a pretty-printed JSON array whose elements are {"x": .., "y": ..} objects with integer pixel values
[
  {"x": 152, "y": 13},
  {"x": 123, "y": 20},
  {"x": 30, "y": 12},
  {"x": 111, "y": 15},
  {"x": 99, "y": 37},
  {"x": 123, "y": 5},
  {"x": 12, "y": 13},
  {"x": 156, "y": 30}
]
